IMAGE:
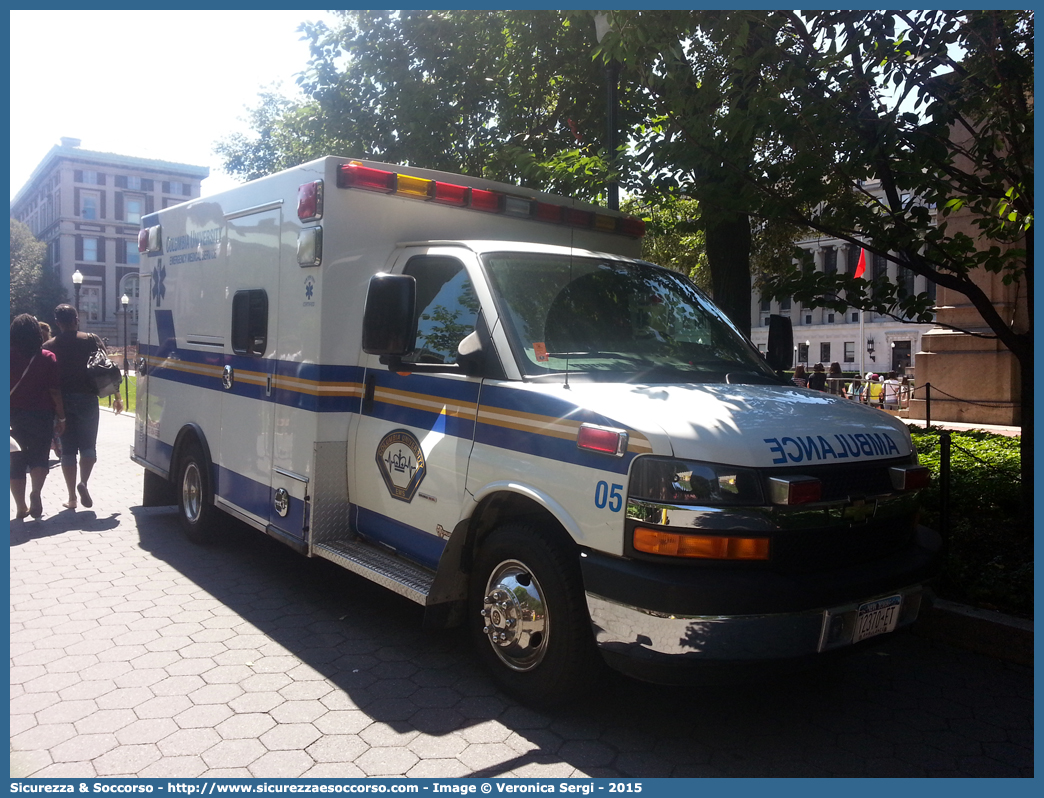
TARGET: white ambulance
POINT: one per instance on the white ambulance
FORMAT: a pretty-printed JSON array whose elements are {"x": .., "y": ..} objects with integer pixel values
[{"x": 479, "y": 397}]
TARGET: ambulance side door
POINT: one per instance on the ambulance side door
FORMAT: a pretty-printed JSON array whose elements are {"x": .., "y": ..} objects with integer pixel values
[
  {"x": 416, "y": 430},
  {"x": 244, "y": 465}
]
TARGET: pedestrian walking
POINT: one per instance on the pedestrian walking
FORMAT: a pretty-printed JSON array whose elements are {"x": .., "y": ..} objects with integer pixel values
[
  {"x": 37, "y": 410},
  {"x": 73, "y": 348}
]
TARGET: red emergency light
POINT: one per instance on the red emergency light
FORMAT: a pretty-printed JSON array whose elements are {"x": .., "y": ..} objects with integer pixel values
[{"x": 355, "y": 175}]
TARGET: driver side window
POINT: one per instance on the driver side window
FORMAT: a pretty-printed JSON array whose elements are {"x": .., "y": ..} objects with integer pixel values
[{"x": 447, "y": 308}]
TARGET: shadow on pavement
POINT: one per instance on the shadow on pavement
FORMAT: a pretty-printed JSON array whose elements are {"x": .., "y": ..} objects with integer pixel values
[{"x": 368, "y": 643}]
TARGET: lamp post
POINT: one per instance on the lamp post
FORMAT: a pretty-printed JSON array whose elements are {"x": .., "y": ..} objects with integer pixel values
[
  {"x": 612, "y": 106},
  {"x": 870, "y": 348},
  {"x": 807, "y": 345},
  {"x": 125, "y": 301},
  {"x": 77, "y": 279}
]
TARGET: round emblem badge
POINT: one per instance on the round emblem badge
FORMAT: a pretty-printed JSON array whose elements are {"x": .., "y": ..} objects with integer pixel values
[{"x": 401, "y": 463}]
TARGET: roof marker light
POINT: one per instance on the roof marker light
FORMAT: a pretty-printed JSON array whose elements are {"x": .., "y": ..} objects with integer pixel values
[
  {"x": 355, "y": 175},
  {"x": 629, "y": 226},
  {"x": 517, "y": 206},
  {"x": 578, "y": 218},
  {"x": 482, "y": 200},
  {"x": 547, "y": 212},
  {"x": 451, "y": 194},
  {"x": 415, "y": 187}
]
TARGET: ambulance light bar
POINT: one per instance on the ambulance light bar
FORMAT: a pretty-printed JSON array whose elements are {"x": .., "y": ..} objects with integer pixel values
[{"x": 356, "y": 175}]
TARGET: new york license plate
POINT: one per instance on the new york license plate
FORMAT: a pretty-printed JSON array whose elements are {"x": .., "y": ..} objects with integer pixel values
[{"x": 877, "y": 617}]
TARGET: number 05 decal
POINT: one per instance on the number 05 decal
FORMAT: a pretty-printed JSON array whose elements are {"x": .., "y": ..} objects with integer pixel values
[{"x": 609, "y": 496}]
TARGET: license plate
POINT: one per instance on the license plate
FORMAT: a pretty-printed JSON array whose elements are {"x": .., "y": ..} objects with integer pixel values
[{"x": 877, "y": 617}]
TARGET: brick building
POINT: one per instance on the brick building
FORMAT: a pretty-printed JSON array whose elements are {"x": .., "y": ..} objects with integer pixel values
[{"x": 86, "y": 207}]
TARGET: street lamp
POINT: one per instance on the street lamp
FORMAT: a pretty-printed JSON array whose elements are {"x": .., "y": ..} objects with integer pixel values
[
  {"x": 612, "y": 105},
  {"x": 77, "y": 279},
  {"x": 808, "y": 344},
  {"x": 870, "y": 348},
  {"x": 125, "y": 301}
]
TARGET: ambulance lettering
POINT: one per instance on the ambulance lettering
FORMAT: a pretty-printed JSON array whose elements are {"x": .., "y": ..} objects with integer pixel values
[{"x": 809, "y": 448}]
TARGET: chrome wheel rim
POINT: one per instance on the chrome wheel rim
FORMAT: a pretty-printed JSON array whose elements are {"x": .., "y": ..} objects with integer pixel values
[
  {"x": 192, "y": 493},
  {"x": 515, "y": 616}
]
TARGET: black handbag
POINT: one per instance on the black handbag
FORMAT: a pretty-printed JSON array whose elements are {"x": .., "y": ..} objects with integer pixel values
[{"x": 105, "y": 375}]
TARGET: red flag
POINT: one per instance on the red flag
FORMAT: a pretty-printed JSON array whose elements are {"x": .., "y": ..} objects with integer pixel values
[{"x": 861, "y": 266}]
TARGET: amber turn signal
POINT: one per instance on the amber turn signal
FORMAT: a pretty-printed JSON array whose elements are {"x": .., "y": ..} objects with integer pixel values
[{"x": 708, "y": 547}]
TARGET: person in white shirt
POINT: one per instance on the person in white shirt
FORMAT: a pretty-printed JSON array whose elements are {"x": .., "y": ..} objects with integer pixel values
[{"x": 891, "y": 392}]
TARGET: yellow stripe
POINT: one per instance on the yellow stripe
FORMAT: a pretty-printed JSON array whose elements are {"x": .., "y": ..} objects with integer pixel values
[
  {"x": 551, "y": 426},
  {"x": 416, "y": 401}
]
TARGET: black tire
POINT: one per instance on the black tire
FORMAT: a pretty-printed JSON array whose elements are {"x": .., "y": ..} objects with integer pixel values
[
  {"x": 196, "y": 509},
  {"x": 529, "y": 617}
]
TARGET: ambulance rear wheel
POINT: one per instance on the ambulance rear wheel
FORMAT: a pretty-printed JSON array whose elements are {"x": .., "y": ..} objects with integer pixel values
[
  {"x": 195, "y": 496},
  {"x": 529, "y": 617}
]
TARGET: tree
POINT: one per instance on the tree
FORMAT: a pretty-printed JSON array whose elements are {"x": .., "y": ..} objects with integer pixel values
[
  {"x": 35, "y": 287},
  {"x": 702, "y": 80},
  {"x": 936, "y": 105},
  {"x": 673, "y": 237},
  {"x": 498, "y": 94}
]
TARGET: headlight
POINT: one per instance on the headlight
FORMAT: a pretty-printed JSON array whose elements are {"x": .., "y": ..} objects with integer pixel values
[{"x": 659, "y": 479}]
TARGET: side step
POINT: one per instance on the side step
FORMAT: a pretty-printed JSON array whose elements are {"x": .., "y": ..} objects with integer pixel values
[{"x": 379, "y": 565}]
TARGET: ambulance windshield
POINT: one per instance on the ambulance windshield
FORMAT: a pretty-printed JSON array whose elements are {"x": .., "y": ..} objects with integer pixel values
[{"x": 609, "y": 318}]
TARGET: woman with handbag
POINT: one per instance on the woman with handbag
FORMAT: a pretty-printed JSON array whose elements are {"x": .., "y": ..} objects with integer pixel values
[
  {"x": 73, "y": 349},
  {"x": 37, "y": 411}
]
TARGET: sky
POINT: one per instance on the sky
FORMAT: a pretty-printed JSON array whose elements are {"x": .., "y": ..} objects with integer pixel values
[{"x": 172, "y": 82}]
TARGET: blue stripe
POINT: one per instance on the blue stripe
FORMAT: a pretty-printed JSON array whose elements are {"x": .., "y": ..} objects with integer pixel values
[
  {"x": 559, "y": 449},
  {"x": 420, "y": 546},
  {"x": 287, "y": 397},
  {"x": 431, "y": 389}
]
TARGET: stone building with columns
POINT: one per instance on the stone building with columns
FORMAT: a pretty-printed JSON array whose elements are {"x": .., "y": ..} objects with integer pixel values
[
  {"x": 860, "y": 341},
  {"x": 86, "y": 207},
  {"x": 973, "y": 377}
]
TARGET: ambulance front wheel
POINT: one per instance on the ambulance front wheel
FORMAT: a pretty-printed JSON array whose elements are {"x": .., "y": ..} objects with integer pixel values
[
  {"x": 529, "y": 617},
  {"x": 195, "y": 496}
]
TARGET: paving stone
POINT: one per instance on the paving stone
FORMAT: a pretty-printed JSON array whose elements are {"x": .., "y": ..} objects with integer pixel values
[
  {"x": 337, "y": 748},
  {"x": 233, "y": 753},
  {"x": 394, "y": 761},
  {"x": 281, "y": 764},
  {"x": 188, "y": 742},
  {"x": 245, "y": 725},
  {"x": 135, "y": 653},
  {"x": 84, "y": 747},
  {"x": 290, "y": 736}
]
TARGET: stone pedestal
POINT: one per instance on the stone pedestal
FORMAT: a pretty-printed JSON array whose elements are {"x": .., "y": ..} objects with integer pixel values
[{"x": 973, "y": 380}]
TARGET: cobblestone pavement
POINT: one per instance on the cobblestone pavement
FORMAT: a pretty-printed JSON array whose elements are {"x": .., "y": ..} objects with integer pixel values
[{"x": 137, "y": 653}]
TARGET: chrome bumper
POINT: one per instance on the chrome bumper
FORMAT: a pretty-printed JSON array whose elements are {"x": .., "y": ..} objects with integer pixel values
[{"x": 678, "y": 640}]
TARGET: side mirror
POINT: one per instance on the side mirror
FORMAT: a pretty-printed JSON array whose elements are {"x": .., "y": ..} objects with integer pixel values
[
  {"x": 780, "y": 354},
  {"x": 389, "y": 316}
]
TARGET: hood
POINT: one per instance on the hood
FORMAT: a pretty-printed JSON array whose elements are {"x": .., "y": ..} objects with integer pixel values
[{"x": 759, "y": 426}]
